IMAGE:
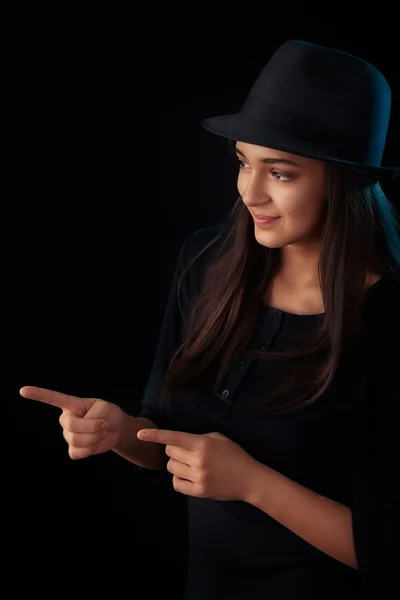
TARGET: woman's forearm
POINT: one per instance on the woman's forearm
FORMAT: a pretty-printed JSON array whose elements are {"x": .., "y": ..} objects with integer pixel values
[{"x": 320, "y": 521}]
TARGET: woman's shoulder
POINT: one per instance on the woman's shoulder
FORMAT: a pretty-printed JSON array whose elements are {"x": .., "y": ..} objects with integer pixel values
[
  {"x": 199, "y": 248},
  {"x": 382, "y": 308},
  {"x": 194, "y": 256},
  {"x": 202, "y": 239},
  {"x": 384, "y": 293}
]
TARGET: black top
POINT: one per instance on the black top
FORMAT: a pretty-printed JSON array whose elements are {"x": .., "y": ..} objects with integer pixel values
[{"x": 344, "y": 446}]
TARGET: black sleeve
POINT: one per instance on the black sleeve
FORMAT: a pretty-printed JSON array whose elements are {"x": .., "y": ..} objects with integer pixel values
[
  {"x": 168, "y": 340},
  {"x": 169, "y": 337},
  {"x": 375, "y": 504}
]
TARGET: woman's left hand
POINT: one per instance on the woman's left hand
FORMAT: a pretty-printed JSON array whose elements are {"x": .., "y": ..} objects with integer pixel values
[{"x": 207, "y": 466}]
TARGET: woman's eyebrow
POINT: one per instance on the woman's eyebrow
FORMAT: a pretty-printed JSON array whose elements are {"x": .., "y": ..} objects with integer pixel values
[{"x": 272, "y": 159}]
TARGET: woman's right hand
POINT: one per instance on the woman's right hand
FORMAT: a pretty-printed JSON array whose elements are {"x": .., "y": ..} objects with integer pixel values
[{"x": 90, "y": 425}]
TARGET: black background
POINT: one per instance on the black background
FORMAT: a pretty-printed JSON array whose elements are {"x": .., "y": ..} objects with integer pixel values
[{"x": 113, "y": 171}]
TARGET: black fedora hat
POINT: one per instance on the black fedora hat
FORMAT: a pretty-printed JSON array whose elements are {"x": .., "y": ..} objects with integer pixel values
[{"x": 316, "y": 102}]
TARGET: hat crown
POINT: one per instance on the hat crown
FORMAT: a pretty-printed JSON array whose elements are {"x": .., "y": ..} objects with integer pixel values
[{"x": 329, "y": 86}]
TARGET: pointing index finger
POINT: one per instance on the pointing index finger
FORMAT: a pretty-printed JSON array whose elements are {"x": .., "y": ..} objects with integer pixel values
[
  {"x": 66, "y": 402},
  {"x": 189, "y": 441}
]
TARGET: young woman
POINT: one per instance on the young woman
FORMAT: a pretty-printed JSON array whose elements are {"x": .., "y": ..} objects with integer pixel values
[{"x": 273, "y": 401}]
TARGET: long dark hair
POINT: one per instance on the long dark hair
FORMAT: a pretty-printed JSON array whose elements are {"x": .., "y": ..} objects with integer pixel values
[{"x": 360, "y": 236}]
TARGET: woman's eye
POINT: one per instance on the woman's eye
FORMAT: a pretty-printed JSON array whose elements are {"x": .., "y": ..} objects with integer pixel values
[
  {"x": 281, "y": 176},
  {"x": 276, "y": 174}
]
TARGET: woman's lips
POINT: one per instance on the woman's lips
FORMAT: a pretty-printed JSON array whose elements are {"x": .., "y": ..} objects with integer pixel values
[{"x": 265, "y": 220}]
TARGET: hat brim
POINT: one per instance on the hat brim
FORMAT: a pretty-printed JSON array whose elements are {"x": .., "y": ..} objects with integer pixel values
[{"x": 242, "y": 128}]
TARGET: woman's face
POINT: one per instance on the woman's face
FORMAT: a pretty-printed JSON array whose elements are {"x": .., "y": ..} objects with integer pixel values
[{"x": 278, "y": 184}]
